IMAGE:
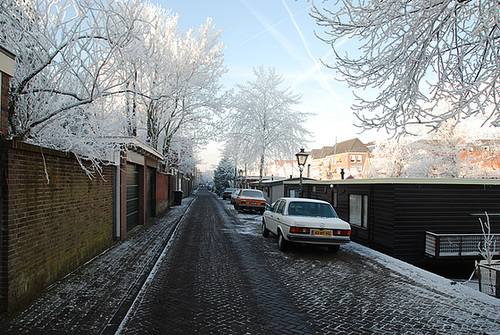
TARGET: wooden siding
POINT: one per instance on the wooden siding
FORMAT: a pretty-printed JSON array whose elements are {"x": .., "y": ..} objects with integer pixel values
[
  {"x": 381, "y": 218},
  {"x": 439, "y": 209}
]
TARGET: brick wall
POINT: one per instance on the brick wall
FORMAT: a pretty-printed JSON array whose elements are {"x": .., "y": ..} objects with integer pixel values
[
  {"x": 162, "y": 192},
  {"x": 49, "y": 228}
]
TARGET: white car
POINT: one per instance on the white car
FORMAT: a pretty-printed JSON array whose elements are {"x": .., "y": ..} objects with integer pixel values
[
  {"x": 234, "y": 195},
  {"x": 307, "y": 221}
]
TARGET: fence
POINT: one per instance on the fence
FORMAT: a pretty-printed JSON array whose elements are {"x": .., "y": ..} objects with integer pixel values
[
  {"x": 489, "y": 279},
  {"x": 457, "y": 245}
]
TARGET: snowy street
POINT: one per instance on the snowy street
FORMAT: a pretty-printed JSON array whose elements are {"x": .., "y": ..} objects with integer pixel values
[{"x": 217, "y": 274}]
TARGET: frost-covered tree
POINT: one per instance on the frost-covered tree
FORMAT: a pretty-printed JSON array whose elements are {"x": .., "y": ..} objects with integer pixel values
[
  {"x": 224, "y": 174},
  {"x": 263, "y": 125},
  {"x": 450, "y": 152},
  {"x": 175, "y": 83},
  {"x": 86, "y": 70},
  {"x": 416, "y": 54},
  {"x": 65, "y": 66}
]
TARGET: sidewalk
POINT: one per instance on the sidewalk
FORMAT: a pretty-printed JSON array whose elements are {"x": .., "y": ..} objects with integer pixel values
[{"x": 82, "y": 302}]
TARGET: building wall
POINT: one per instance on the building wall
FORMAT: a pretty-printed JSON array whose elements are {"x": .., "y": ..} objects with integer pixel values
[
  {"x": 330, "y": 167},
  {"x": 445, "y": 208},
  {"x": 4, "y": 98},
  {"x": 162, "y": 192},
  {"x": 54, "y": 219}
]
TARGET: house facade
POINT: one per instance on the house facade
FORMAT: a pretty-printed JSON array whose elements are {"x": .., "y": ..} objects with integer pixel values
[{"x": 348, "y": 159}]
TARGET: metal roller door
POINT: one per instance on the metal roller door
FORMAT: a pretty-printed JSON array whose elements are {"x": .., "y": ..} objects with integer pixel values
[{"x": 132, "y": 196}]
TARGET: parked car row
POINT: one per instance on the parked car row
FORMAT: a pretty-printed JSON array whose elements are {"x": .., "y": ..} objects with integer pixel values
[{"x": 294, "y": 220}]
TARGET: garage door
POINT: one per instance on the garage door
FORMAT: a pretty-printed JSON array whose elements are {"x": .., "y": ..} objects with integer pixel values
[
  {"x": 151, "y": 194},
  {"x": 132, "y": 196}
]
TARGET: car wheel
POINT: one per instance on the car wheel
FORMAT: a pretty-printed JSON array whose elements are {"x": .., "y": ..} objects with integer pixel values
[
  {"x": 282, "y": 243},
  {"x": 265, "y": 231},
  {"x": 333, "y": 248}
]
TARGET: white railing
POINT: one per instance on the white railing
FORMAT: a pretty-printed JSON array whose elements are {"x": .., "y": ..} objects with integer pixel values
[{"x": 453, "y": 245}]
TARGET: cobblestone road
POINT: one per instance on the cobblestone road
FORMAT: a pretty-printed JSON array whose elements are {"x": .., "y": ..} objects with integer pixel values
[
  {"x": 221, "y": 276},
  {"x": 218, "y": 275}
]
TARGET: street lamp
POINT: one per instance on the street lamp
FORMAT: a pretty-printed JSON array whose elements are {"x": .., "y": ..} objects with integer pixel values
[{"x": 301, "y": 160}]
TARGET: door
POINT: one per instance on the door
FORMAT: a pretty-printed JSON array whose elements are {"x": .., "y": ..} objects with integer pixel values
[
  {"x": 151, "y": 194},
  {"x": 132, "y": 196}
]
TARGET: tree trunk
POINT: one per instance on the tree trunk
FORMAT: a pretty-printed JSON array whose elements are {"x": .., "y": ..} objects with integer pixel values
[{"x": 261, "y": 171}]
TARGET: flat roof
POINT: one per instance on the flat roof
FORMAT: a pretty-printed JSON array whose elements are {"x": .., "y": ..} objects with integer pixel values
[
  {"x": 459, "y": 181},
  {"x": 134, "y": 142}
]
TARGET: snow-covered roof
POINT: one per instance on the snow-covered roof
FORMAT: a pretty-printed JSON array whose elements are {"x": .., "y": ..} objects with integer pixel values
[
  {"x": 352, "y": 145},
  {"x": 459, "y": 181},
  {"x": 134, "y": 143}
]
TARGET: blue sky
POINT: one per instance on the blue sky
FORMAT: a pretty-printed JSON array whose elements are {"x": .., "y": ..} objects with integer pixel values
[{"x": 279, "y": 34}]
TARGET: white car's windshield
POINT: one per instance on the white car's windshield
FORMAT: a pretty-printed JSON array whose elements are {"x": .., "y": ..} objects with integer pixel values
[{"x": 314, "y": 209}]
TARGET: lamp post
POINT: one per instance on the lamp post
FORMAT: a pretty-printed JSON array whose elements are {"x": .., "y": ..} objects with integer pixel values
[{"x": 301, "y": 160}]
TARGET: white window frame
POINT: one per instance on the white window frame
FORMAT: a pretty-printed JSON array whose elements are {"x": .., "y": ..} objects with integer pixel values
[{"x": 358, "y": 210}]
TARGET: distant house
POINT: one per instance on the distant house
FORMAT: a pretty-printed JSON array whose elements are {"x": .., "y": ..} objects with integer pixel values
[
  {"x": 482, "y": 159},
  {"x": 415, "y": 220},
  {"x": 348, "y": 159}
]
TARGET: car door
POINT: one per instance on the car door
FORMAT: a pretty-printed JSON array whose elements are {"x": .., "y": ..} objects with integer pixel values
[
  {"x": 271, "y": 222},
  {"x": 280, "y": 215}
]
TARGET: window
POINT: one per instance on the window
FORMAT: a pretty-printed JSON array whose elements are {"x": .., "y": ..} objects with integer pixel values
[
  {"x": 251, "y": 193},
  {"x": 281, "y": 207},
  {"x": 358, "y": 210},
  {"x": 319, "y": 189},
  {"x": 353, "y": 158},
  {"x": 358, "y": 158},
  {"x": 311, "y": 209}
]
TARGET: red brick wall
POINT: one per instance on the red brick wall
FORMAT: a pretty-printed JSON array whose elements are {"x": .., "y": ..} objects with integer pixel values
[
  {"x": 162, "y": 192},
  {"x": 49, "y": 228}
]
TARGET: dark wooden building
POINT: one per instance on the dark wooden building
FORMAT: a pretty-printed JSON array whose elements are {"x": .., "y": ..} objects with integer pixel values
[{"x": 415, "y": 220}]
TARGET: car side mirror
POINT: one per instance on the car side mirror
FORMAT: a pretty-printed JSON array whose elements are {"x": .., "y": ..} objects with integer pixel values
[{"x": 269, "y": 207}]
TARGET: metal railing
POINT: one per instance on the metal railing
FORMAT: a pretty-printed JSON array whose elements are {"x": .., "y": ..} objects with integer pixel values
[
  {"x": 489, "y": 279},
  {"x": 457, "y": 245}
]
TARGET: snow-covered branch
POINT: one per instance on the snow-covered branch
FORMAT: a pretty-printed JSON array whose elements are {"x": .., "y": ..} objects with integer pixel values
[
  {"x": 406, "y": 57},
  {"x": 96, "y": 68}
]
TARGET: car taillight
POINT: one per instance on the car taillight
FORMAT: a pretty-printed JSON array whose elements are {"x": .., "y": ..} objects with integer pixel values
[
  {"x": 342, "y": 232},
  {"x": 298, "y": 230}
]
